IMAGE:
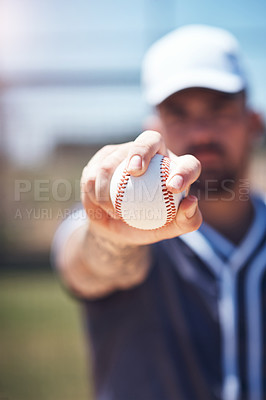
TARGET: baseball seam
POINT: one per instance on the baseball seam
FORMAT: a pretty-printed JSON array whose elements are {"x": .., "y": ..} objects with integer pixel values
[
  {"x": 120, "y": 192},
  {"x": 168, "y": 196}
]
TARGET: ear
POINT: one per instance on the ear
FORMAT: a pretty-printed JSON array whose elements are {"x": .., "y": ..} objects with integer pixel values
[{"x": 256, "y": 126}]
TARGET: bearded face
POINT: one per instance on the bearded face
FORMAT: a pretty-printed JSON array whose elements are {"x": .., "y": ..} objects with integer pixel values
[
  {"x": 218, "y": 176},
  {"x": 214, "y": 127}
]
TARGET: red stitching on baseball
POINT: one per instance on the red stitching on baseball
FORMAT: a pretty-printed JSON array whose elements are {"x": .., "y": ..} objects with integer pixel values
[
  {"x": 168, "y": 196},
  {"x": 120, "y": 192}
]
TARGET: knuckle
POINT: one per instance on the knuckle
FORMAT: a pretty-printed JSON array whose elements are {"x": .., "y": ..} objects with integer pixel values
[
  {"x": 189, "y": 225},
  {"x": 124, "y": 146},
  {"x": 107, "y": 147},
  {"x": 87, "y": 191},
  {"x": 155, "y": 134},
  {"x": 102, "y": 153},
  {"x": 147, "y": 147},
  {"x": 195, "y": 163},
  {"x": 84, "y": 172},
  {"x": 139, "y": 148},
  {"x": 191, "y": 157},
  {"x": 150, "y": 136},
  {"x": 196, "y": 221},
  {"x": 87, "y": 177},
  {"x": 190, "y": 167},
  {"x": 105, "y": 169}
]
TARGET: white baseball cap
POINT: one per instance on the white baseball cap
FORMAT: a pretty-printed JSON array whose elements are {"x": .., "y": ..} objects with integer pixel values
[{"x": 192, "y": 56}]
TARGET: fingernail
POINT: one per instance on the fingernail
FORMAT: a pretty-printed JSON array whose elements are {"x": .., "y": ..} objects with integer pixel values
[
  {"x": 176, "y": 182},
  {"x": 135, "y": 163},
  {"x": 192, "y": 210}
]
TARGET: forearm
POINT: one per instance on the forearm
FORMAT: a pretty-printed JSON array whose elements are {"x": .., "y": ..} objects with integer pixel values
[
  {"x": 93, "y": 265},
  {"x": 110, "y": 254}
]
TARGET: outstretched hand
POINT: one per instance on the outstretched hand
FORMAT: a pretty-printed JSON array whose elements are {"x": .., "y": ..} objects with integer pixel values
[{"x": 95, "y": 187}]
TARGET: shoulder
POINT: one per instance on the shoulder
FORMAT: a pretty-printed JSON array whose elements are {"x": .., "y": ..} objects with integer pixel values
[{"x": 259, "y": 202}]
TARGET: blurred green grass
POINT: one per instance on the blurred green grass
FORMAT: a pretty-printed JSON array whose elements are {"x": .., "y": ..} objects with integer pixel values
[{"x": 43, "y": 354}]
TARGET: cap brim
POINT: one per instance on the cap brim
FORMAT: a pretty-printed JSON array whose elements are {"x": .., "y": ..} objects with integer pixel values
[{"x": 215, "y": 80}]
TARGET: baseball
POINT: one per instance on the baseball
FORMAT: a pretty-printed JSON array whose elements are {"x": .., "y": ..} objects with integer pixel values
[{"x": 144, "y": 202}]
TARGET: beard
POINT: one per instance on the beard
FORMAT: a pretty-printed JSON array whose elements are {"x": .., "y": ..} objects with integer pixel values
[
  {"x": 217, "y": 179},
  {"x": 214, "y": 184}
]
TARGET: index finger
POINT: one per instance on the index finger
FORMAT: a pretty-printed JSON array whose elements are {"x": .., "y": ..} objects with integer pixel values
[
  {"x": 146, "y": 145},
  {"x": 184, "y": 171}
]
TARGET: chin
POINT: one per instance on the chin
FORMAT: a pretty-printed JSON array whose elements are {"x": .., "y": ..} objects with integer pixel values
[{"x": 214, "y": 184}]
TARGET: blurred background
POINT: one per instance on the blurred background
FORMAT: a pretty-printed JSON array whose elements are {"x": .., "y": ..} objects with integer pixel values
[{"x": 70, "y": 83}]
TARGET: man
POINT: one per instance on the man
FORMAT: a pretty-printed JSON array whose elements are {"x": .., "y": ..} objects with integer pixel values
[{"x": 178, "y": 312}]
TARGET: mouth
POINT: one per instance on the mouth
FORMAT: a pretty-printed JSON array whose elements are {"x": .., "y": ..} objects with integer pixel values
[
  {"x": 208, "y": 153},
  {"x": 207, "y": 157}
]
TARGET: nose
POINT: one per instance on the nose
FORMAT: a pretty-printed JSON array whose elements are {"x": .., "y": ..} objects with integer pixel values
[{"x": 201, "y": 129}]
